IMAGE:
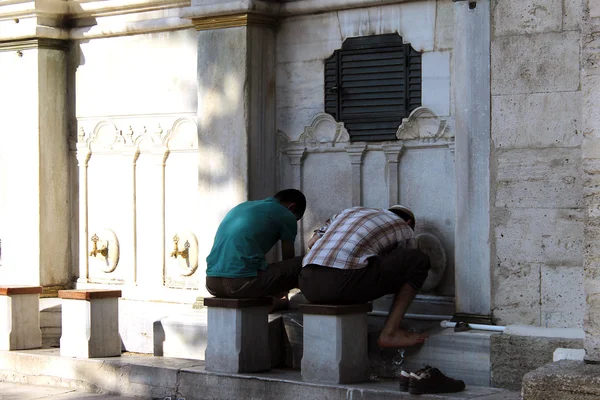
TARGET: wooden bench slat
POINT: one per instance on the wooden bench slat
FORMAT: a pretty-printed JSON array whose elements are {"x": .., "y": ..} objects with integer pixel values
[
  {"x": 330, "y": 309},
  {"x": 88, "y": 294},
  {"x": 10, "y": 290},
  {"x": 237, "y": 303}
]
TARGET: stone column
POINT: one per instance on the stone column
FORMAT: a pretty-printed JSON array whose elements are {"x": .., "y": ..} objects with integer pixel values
[
  {"x": 236, "y": 113},
  {"x": 296, "y": 156},
  {"x": 590, "y": 86},
  {"x": 392, "y": 158},
  {"x": 34, "y": 147},
  {"x": 356, "y": 153},
  {"x": 472, "y": 83}
]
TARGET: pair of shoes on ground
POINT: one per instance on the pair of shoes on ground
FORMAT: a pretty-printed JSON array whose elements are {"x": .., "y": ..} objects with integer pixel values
[
  {"x": 174, "y": 398},
  {"x": 429, "y": 380}
]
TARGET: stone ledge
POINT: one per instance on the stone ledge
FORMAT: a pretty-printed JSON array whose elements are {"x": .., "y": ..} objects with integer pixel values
[
  {"x": 11, "y": 290},
  {"x": 563, "y": 380},
  {"x": 236, "y": 303},
  {"x": 88, "y": 294},
  {"x": 158, "y": 377},
  {"x": 328, "y": 309}
]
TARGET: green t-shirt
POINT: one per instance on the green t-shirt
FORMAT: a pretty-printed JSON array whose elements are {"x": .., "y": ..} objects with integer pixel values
[{"x": 246, "y": 233}]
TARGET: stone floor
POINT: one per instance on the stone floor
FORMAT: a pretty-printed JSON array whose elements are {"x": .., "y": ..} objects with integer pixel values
[
  {"x": 152, "y": 377},
  {"x": 17, "y": 391}
]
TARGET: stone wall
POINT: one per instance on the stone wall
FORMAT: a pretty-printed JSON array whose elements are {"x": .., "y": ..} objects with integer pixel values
[
  {"x": 135, "y": 105},
  {"x": 335, "y": 174},
  {"x": 537, "y": 218}
]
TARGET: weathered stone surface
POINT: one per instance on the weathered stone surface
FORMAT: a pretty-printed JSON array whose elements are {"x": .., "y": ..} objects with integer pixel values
[
  {"x": 436, "y": 82},
  {"x": 548, "y": 236},
  {"x": 444, "y": 25},
  {"x": 514, "y": 356},
  {"x": 544, "y": 178},
  {"x": 562, "y": 308},
  {"x": 299, "y": 95},
  {"x": 238, "y": 340},
  {"x": 538, "y": 63},
  {"x": 537, "y": 120},
  {"x": 572, "y": 10},
  {"x": 308, "y": 38},
  {"x": 414, "y": 20},
  {"x": 526, "y": 16},
  {"x": 335, "y": 348},
  {"x": 591, "y": 103},
  {"x": 563, "y": 380},
  {"x": 516, "y": 294}
]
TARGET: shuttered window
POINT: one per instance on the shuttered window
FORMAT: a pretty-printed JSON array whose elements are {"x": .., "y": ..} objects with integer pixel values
[{"x": 371, "y": 83}]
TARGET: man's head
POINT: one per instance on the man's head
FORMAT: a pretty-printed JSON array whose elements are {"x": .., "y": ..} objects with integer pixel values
[
  {"x": 293, "y": 200},
  {"x": 405, "y": 213}
]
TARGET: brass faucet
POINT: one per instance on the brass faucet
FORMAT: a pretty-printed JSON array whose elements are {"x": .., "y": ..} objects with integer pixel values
[
  {"x": 95, "y": 250},
  {"x": 183, "y": 253}
]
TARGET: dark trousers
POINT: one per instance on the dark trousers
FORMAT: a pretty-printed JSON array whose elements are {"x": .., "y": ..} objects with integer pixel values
[
  {"x": 279, "y": 277},
  {"x": 383, "y": 275}
]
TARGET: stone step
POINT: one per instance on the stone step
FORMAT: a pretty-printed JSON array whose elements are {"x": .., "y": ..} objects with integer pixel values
[{"x": 158, "y": 377}]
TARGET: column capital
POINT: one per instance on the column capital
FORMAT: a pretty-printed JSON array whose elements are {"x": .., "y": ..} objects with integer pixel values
[
  {"x": 356, "y": 153},
  {"x": 33, "y": 43},
  {"x": 392, "y": 152},
  {"x": 296, "y": 155},
  {"x": 233, "y": 21}
]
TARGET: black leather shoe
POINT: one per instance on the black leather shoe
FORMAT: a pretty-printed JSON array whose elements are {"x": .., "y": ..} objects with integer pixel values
[{"x": 433, "y": 381}]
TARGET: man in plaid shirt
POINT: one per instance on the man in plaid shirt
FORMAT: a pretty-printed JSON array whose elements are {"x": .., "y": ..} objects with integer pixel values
[{"x": 362, "y": 254}]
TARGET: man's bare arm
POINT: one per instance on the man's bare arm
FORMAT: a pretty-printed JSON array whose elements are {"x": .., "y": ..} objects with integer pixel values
[
  {"x": 287, "y": 250},
  {"x": 313, "y": 239}
]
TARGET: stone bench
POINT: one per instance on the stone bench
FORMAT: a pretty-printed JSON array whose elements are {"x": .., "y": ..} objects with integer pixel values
[
  {"x": 238, "y": 335},
  {"x": 20, "y": 316},
  {"x": 335, "y": 343},
  {"x": 90, "y": 323}
]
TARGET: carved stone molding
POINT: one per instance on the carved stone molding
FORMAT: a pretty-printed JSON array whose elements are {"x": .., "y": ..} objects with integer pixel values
[
  {"x": 232, "y": 21},
  {"x": 324, "y": 132},
  {"x": 424, "y": 125},
  {"x": 122, "y": 136},
  {"x": 33, "y": 43}
]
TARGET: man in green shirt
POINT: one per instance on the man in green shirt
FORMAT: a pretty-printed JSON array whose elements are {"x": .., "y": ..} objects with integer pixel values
[{"x": 236, "y": 265}]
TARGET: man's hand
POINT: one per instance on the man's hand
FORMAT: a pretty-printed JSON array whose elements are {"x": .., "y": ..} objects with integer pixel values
[
  {"x": 287, "y": 250},
  {"x": 313, "y": 239}
]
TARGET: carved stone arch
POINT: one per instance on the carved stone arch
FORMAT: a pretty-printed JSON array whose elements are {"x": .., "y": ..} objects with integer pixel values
[
  {"x": 423, "y": 124},
  {"x": 324, "y": 130},
  {"x": 183, "y": 135},
  {"x": 105, "y": 135},
  {"x": 146, "y": 140}
]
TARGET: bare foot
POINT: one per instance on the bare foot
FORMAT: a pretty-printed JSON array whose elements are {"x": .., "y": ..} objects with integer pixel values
[{"x": 401, "y": 339}]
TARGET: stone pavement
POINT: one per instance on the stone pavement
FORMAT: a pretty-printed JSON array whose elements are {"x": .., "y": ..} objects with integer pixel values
[
  {"x": 17, "y": 391},
  {"x": 150, "y": 377}
]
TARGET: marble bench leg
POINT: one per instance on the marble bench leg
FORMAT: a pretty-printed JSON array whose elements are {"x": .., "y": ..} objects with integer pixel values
[
  {"x": 20, "y": 316},
  {"x": 238, "y": 339},
  {"x": 335, "y": 348},
  {"x": 90, "y": 327}
]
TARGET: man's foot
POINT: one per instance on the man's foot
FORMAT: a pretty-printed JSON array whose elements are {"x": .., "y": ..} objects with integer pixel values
[{"x": 401, "y": 338}]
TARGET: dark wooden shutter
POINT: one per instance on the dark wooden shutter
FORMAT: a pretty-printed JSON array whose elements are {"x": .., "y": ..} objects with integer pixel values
[{"x": 371, "y": 83}]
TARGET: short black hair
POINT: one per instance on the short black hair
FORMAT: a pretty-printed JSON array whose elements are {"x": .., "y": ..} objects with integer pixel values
[
  {"x": 293, "y": 196},
  {"x": 404, "y": 215}
]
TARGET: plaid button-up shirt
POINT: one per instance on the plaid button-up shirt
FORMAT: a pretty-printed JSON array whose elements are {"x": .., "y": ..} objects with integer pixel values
[{"x": 353, "y": 236}]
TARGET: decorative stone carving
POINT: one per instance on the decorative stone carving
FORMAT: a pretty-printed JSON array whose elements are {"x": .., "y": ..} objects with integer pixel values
[
  {"x": 323, "y": 132},
  {"x": 107, "y": 136},
  {"x": 432, "y": 246},
  {"x": 392, "y": 157},
  {"x": 423, "y": 124}
]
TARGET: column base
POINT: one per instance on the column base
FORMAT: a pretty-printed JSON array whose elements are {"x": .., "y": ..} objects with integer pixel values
[{"x": 473, "y": 318}]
